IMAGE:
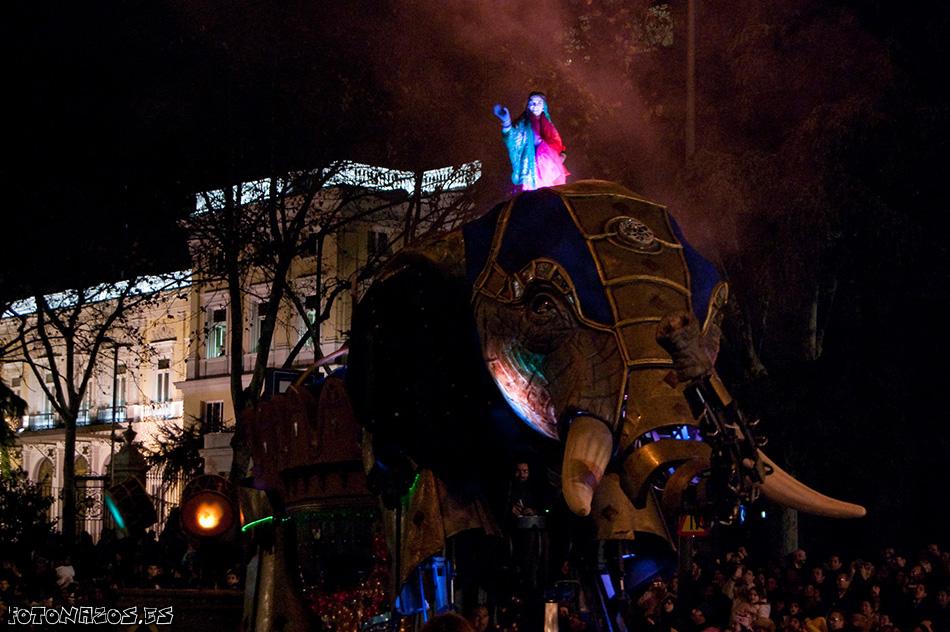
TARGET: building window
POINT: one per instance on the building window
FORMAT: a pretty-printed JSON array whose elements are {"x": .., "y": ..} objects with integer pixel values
[
  {"x": 377, "y": 244},
  {"x": 214, "y": 416},
  {"x": 217, "y": 331},
  {"x": 83, "y": 419},
  {"x": 44, "y": 479},
  {"x": 163, "y": 381},
  {"x": 120, "y": 385},
  {"x": 258, "y": 313},
  {"x": 16, "y": 384},
  {"x": 311, "y": 318},
  {"x": 47, "y": 400}
]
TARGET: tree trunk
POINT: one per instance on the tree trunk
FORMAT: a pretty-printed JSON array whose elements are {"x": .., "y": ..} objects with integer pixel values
[
  {"x": 68, "y": 523},
  {"x": 784, "y": 530}
]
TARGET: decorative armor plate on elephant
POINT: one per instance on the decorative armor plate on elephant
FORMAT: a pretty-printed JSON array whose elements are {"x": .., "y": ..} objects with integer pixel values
[{"x": 634, "y": 234}]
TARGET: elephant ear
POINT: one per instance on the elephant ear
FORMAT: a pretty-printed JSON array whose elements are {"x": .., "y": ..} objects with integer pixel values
[{"x": 415, "y": 372}]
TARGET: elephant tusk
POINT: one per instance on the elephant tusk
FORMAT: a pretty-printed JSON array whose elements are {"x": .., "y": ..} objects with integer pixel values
[
  {"x": 588, "y": 450},
  {"x": 782, "y": 488}
]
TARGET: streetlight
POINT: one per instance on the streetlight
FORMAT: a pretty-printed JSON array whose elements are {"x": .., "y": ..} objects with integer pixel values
[{"x": 116, "y": 345}]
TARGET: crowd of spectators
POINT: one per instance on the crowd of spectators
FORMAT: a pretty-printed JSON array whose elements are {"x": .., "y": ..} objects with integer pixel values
[
  {"x": 891, "y": 592},
  {"x": 734, "y": 592},
  {"x": 93, "y": 574}
]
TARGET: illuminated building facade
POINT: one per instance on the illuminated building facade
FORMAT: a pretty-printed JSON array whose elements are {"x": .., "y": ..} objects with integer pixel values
[{"x": 179, "y": 370}]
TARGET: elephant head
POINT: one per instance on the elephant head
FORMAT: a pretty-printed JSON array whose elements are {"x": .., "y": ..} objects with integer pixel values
[{"x": 555, "y": 296}]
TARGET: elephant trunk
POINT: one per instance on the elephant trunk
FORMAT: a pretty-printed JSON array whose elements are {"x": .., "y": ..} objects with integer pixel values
[
  {"x": 679, "y": 334},
  {"x": 782, "y": 488},
  {"x": 586, "y": 455}
]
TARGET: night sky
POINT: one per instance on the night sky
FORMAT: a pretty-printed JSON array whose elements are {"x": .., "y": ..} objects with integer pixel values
[{"x": 819, "y": 167}]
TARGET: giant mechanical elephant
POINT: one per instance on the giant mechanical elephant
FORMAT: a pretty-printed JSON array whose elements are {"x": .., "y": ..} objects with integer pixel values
[
  {"x": 535, "y": 328},
  {"x": 551, "y": 303}
]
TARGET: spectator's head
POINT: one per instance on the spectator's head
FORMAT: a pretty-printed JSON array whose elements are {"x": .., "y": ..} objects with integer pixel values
[
  {"x": 771, "y": 585},
  {"x": 153, "y": 570},
  {"x": 748, "y": 577},
  {"x": 943, "y": 597},
  {"x": 794, "y": 609},
  {"x": 522, "y": 472},
  {"x": 698, "y": 617},
  {"x": 799, "y": 557},
  {"x": 901, "y": 579},
  {"x": 449, "y": 622},
  {"x": 818, "y": 575},
  {"x": 232, "y": 579},
  {"x": 834, "y": 563},
  {"x": 843, "y": 581},
  {"x": 71, "y": 594},
  {"x": 794, "y": 624},
  {"x": 836, "y": 620},
  {"x": 920, "y": 591},
  {"x": 479, "y": 618},
  {"x": 752, "y": 594},
  {"x": 648, "y": 602},
  {"x": 763, "y": 624},
  {"x": 743, "y": 618},
  {"x": 859, "y": 621},
  {"x": 810, "y": 592},
  {"x": 575, "y": 623},
  {"x": 65, "y": 575}
]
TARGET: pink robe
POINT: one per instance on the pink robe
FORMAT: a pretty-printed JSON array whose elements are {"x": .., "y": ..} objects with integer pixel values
[{"x": 548, "y": 165}]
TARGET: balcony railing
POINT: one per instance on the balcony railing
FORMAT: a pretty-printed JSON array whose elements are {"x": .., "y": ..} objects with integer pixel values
[
  {"x": 105, "y": 414},
  {"x": 214, "y": 367},
  {"x": 42, "y": 421},
  {"x": 156, "y": 411}
]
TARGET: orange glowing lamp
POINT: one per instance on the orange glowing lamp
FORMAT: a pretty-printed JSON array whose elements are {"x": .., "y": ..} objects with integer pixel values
[{"x": 208, "y": 507}]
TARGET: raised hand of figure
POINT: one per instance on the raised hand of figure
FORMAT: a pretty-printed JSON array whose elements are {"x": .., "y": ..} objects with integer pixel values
[{"x": 503, "y": 115}]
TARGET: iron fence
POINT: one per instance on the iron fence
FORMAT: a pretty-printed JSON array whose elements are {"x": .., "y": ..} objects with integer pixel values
[{"x": 90, "y": 502}]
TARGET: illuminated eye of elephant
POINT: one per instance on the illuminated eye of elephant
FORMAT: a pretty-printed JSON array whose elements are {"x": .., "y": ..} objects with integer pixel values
[
  {"x": 543, "y": 306},
  {"x": 547, "y": 320}
]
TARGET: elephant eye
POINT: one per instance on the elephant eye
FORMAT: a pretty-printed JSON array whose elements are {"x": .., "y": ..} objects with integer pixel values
[{"x": 543, "y": 305}]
